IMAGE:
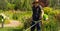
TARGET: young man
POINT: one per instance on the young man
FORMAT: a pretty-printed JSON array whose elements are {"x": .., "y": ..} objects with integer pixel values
[{"x": 37, "y": 15}]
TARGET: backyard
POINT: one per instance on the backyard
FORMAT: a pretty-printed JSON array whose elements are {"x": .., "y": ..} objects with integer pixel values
[{"x": 16, "y": 15}]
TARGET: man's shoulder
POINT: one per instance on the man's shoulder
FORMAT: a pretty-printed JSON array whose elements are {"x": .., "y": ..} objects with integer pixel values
[{"x": 41, "y": 7}]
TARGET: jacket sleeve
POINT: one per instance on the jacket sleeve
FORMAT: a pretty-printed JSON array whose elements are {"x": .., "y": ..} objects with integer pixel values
[{"x": 42, "y": 12}]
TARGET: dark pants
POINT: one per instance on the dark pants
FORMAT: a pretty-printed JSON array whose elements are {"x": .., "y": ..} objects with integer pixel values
[{"x": 37, "y": 26}]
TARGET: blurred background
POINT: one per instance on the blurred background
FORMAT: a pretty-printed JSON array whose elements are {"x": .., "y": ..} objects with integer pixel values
[{"x": 17, "y": 15}]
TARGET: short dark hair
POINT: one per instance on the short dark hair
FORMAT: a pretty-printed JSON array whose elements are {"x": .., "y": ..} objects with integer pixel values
[{"x": 35, "y": 2}]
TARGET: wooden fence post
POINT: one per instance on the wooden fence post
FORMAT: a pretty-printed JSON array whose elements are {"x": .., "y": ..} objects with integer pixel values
[{"x": 2, "y": 23}]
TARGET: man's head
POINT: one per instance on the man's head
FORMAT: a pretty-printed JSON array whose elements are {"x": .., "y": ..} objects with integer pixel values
[{"x": 36, "y": 2}]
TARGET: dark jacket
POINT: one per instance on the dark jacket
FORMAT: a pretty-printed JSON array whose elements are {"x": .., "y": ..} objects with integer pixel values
[{"x": 36, "y": 13}]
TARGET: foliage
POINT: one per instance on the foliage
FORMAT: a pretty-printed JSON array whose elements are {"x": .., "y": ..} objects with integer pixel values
[
  {"x": 47, "y": 10},
  {"x": 50, "y": 11},
  {"x": 57, "y": 17},
  {"x": 23, "y": 4},
  {"x": 10, "y": 6},
  {"x": 3, "y": 4},
  {"x": 52, "y": 2},
  {"x": 51, "y": 23},
  {"x": 6, "y": 21},
  {"x": 25, "y": 18},
  {"x": 1, "y": 17},
  {"x": 10, "y": 29},
  {"x": 15, "y": 17},
  {"x": 15, "y": 4}
]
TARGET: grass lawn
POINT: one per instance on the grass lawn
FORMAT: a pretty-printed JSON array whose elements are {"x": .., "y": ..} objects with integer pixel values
[{"x": 10, "y": 29}]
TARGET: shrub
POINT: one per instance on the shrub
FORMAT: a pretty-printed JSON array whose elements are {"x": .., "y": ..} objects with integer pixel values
[
  {"x": 1, "y": 17},
  {"x": 58, "y": 17},
  {"x": 51, "y": 11},
  {"x": 10, "y": 6},
  {"x": 47, "y": 10},
  {"x": 51, "y": 24},
  {"x": 6, "y": 21},
  {"x": 15, "y": 16}
]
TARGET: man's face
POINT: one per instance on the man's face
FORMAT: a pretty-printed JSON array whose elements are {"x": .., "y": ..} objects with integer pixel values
[{"x": 36, "y": 4}]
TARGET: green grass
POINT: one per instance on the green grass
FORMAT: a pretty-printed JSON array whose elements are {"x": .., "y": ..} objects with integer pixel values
[{"x": 10, "y": 29}]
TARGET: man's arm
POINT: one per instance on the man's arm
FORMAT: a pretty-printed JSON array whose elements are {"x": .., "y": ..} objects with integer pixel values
[{"x": 42, "y": 13}]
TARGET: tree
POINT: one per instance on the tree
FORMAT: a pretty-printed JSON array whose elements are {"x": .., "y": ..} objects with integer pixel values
[{"x": 2, "y": 4}]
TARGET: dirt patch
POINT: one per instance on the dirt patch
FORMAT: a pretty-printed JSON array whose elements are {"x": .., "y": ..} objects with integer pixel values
[{"x": 12, "y": 24}]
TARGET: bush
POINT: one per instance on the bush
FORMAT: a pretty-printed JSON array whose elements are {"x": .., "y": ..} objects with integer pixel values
[
  {"x": 58, "y": 17},
  {"x": 51, "y": 11},
  {"x": 50, "y": 25},
  {"x": 10, "y": 6},
  {"x": 47, "y": 10},
  {"x": 15, "y": 16},
  {"x": 1, "y": 17},
  {"x": 6, "y": 21}
]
